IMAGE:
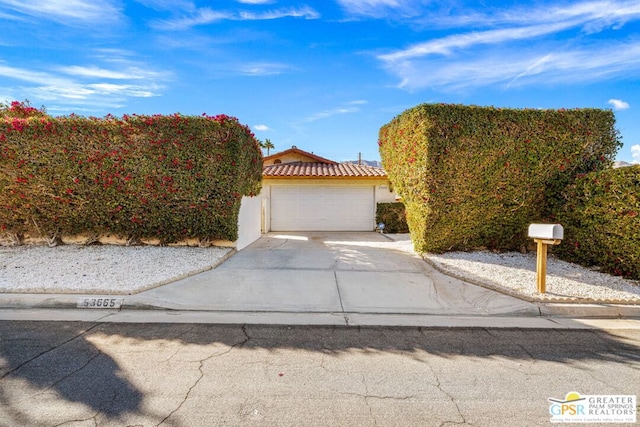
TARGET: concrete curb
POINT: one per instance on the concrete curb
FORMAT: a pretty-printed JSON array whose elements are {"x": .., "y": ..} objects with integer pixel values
[
  {"x": 134, "y": 303},
  {"x": 348, "y": 320},
  {"x": 610, "y": 311}
]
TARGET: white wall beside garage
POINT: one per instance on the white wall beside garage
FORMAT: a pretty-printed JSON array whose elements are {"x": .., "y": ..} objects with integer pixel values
[{"x": 249, "y": 221}]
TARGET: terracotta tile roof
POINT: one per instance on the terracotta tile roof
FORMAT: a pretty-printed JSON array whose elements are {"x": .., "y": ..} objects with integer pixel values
[{"x": 322, "y": 170}]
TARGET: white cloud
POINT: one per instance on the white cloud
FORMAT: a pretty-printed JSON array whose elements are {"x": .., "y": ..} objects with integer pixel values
[
  {"x": 114, "y": 54},
  {"x": 204, "y": 16},
  {"x": 173, "y": 5},
  {"x": 635, "y": 153},
  {"x": 133, "y": 73},
  {"x": 591, "y": 16},
  {"x": 447, "y": 45},
  {"x": 10, "y": 17},
  {"x": 305, "y": 12},
  {"x": 512, "y": 68},
  {"x": 381, "y": 8},
  {"x": 37, "y": 77},
  {"x": 83, "y": 86},
  {"x": 67, "y": 11},
  {"x": 263, "y": 69},
  {"x": 261, "y": 128},
  {"x": 618, "y": 104},
  {"x": 328, "y": 113},
  {"x": 134, "y": 91},
  {"x": 510, "y": 57},
  {"x": 349, "y": 107},
  {"x": 255, "y": 1}
]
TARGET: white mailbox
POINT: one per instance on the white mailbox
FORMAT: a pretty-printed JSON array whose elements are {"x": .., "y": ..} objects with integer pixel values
[
  {"x": 546, "y": 231},
  {"x": 544, "y": 235}
]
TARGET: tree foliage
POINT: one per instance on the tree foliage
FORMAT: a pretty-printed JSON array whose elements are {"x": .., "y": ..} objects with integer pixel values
[
  {"x": 477, "y": 176},
  {"x": 601, "y": 215},
  {"x": 166, "y": 177}
]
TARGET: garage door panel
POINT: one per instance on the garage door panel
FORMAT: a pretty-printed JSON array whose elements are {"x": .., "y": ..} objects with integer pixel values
[{"x": 322, "y": 208}]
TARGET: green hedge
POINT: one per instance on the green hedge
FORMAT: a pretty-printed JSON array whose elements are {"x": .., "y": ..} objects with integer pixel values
[
  {"x": 166, "y": 177},
  {"x": 393, "y": 216},
  {"x": 477, "y": 176},
  {"x": 601, "y": 218}
]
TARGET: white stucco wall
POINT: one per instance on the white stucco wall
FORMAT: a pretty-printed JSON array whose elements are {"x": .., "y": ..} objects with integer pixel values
[
  {"x": 249, "y": 221},
  {"x": 383, "y": 194}
]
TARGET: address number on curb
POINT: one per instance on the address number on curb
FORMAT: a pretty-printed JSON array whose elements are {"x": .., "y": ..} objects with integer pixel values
[{"x": 100, "y": 302}]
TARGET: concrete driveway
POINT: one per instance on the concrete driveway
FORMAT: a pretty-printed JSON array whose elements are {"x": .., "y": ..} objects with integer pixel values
[{"x": 339, "y": 272}]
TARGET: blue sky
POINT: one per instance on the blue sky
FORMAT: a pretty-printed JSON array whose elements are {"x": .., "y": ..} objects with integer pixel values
[{"x": 321, "y": 75}]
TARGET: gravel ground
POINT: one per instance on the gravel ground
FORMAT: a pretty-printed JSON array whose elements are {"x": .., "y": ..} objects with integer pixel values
[
  {"x": 96, "y": 269},
  {"x": 515, "y": 273}
]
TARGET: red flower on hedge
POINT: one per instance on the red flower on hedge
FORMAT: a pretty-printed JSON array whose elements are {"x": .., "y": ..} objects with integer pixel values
[{"x": 18, "y": 124}]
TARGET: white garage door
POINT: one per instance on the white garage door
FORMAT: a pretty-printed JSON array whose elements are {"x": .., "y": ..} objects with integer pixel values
[{"x": 322, "y": 208}]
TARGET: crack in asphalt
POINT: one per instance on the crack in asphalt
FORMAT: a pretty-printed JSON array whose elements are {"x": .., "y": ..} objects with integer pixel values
[
  {"x": 375, "y": 396},
  {"x": 438, "y": 385},
  {"x": 366, "y": 396},
  {"x": 200, "y": 369},
  {"x": 91, "y": 359},
  {"x": 517, "y": 344},
  {"x": 49, "y": 350},
  {"x": 179, "y": 349},
  {"x": 366, "y": 400}
]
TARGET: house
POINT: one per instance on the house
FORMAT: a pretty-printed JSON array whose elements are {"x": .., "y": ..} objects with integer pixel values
[{"x": 305, "y": 192}]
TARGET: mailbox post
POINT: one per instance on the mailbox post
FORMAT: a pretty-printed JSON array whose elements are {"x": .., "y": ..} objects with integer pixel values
[{"x": 543, "y": 235}]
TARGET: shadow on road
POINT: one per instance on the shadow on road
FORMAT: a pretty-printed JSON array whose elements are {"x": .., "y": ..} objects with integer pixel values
[
  {"x": 56, "y": 359},
  {"x": 78, "y": 361}
]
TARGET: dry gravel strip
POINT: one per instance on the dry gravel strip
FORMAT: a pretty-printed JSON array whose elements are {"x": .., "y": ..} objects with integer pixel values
[
  {"x": 515, "y": 273},
  {"x": 100, "y": 269}
]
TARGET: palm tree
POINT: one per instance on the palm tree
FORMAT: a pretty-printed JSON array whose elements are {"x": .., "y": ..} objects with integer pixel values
[{"x": 268, "y": 145}]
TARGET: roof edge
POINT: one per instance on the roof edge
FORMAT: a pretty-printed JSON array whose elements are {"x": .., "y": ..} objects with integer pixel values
[
  {"x": 334, "y": 177},
  {"x": 296, "y": 150}
]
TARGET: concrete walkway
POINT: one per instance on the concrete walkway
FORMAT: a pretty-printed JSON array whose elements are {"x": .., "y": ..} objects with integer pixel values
[{"x": 324, "y": 278}]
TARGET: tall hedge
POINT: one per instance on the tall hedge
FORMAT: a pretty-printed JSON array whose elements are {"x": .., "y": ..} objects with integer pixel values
[
  {"x": 601, "y": 216},
  {"x": 167, "y": 177},
  {"x": 477, "y": 176}
]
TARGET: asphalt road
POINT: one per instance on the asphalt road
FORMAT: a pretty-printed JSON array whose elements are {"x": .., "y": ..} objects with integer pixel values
[{"x": 99, "y": 374}]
